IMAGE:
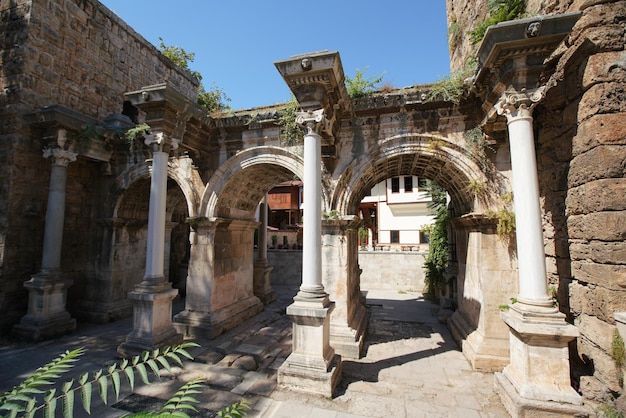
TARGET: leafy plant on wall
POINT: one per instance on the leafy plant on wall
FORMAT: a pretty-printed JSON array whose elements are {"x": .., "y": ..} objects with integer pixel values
[
  {"x": 214, "y": 99},
  {"x": 497, "y": 11},
  {"x": 437, "y": 258},
  {"x": 361, "y": 86}
]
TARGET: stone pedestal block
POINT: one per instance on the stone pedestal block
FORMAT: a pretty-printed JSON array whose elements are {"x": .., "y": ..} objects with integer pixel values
[
  {"x": 204, "y": 324},
  {"x": 152, "y": 322},
  {"x": 261, "y": 285},
  {"x": 485, "y": 352},
  {"x": 537, "y": 381},
  {"x": 313, "y": 366},
  {"x": 46, "y": 315}
]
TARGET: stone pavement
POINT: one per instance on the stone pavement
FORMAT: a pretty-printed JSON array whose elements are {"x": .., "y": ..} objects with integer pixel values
[{"x": 411, "y": 367}]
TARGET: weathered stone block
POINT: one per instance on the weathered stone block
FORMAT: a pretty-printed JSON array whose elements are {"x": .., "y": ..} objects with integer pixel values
[
  {"x": 605, "y": 226},
  {"x": 603, "y": 98},
  {"x": 604, "y": 67},
  {"x": 604, "y": 366},
  {"x": 610, "y": 276},
  {"x": 600, "y": 332},
  {"x": 602, "y": 129},
  {"x": 597, "y": 196},
  {"x": 599, "y": 251},
  {"x": 598, "y": 163}
]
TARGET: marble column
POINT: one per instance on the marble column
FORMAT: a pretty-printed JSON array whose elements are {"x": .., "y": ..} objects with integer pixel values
[
  {"x": 47, "y": 290},
  {"x": 313, "y": 366},
  {"x": 152, "y": 298},
  {"x": 537, "y": 378},
  {"x": 262, "y": 270}
]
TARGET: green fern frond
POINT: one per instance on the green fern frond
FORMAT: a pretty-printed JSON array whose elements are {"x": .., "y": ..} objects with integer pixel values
[{"x": 21, "y": 399}]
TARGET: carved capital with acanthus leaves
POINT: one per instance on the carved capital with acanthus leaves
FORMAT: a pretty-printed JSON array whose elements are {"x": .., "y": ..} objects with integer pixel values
[
  {"x": 314, "y": 122},
  {"x": 159, "y": 142},
  {"x": 59, "y": 156},
  {"x": 514, "y": 104}
]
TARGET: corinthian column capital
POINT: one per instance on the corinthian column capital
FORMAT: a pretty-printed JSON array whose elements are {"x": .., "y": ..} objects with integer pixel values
[
  {"x": 313, "y": 121},
  {"x": 514, "y": 104},
  {"x": 59, "y": 156},
  {"x": 160, "y": 142}
]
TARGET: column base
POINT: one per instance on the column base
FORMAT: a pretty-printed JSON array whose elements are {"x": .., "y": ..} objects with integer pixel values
[
  {"x": 485, "y": 354},
  {"x": 152, "y": 322},
  {"x": 194, "y": 324},
  {"x": 520, "y": 407},
  {"x": 46, "y": 317},
  {"x": 347, "y": 340},
  {"x": 262, "y": 288},
  {"x": 37, "y": 329},
  {"x": 538, "y": 378},
  {"x": 313, "y": 367}
]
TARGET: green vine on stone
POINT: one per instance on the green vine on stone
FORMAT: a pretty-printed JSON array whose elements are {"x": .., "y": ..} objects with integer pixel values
[
  {"x": 452, "y": 88},
  {"x": 497, "y": 11},
  {"x": 291, "y": 134}
]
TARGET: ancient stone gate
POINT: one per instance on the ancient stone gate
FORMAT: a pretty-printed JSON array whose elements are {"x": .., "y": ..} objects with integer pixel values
[{"x": 122, "y": 220}]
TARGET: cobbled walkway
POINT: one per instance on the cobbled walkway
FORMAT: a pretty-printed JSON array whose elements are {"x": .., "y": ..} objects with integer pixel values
[{"x": 411, "y": 367}]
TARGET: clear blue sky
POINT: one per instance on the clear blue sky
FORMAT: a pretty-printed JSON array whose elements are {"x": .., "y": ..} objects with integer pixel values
[{"x": 237, "y": 41}]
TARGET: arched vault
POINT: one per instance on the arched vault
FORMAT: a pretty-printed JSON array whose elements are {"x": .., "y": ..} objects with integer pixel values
[
  {"x": 427, "y": 156},
  {"x": 235, "y": 190}
]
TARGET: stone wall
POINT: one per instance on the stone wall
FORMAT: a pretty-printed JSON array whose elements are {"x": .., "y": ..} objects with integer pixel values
[
  {"x": 75, "y": 53},
  {"x": 581, "y": 149},
  {"x": 381, "y": 269}
]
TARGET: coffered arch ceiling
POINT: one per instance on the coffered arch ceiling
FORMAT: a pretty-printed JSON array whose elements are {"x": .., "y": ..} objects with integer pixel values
[{"x": 424, "y": 156}]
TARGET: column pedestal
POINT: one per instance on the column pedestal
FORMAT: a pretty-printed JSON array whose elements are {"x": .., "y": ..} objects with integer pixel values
[
  {"x": 152, "y": 298},
  {"x": 312, "y": 367},
  {"x": 537, "y": 381},
  {"x": 46, "y": 315},
  {"x": 262, "y": 288},
  {"x": 47, "y": 290},
  {"x": 341, "y": 279},
  {"x": 152, "y": 321}
]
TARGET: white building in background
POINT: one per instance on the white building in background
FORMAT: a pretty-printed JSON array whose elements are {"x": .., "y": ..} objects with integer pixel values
[{"x": 396, "y": 211}]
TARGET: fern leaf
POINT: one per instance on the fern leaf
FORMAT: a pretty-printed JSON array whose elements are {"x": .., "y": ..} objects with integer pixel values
[
  {"x": 83, "y": 379},
  {"x": 154, "y": 367},
  {"x": 124, "y": 364},
  {"x": 175, "y": 357},
  {"x": 164, "y": 363},
  {"x": 68, "y": 404},
  {"x": 112, "y": 368},
  {"x": 135, "y": 360},
  {"x": 130, "y": 376},
  {"x": 85, "y": 396},
  {"x": 143, "y": 373},
  {"x": 49, "y": 407},
  {"x": 102, "y": 387},
  {"x": 115, "y": 379}
]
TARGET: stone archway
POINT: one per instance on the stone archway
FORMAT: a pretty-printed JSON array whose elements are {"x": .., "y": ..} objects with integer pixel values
[
  {"x": 220, "y": 290},
  {"x": 486, "y": 270}
]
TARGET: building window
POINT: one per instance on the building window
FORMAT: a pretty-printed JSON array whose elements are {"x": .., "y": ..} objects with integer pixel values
[
  {"x": 395, "y": 185},
  {"x": 421, "y": 183},
  {"x": 395, "y": 237},
  {"x": 408, "y": 184},
  {"x": 424, "y": 238}
]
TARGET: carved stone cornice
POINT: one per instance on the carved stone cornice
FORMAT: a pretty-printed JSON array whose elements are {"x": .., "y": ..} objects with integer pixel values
[
  {"x": 59, "y": 157},
  {"x": 514, "y": 105},
  {"x": 513, "y": 56},
  {"x": 317, "y": 81}
]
